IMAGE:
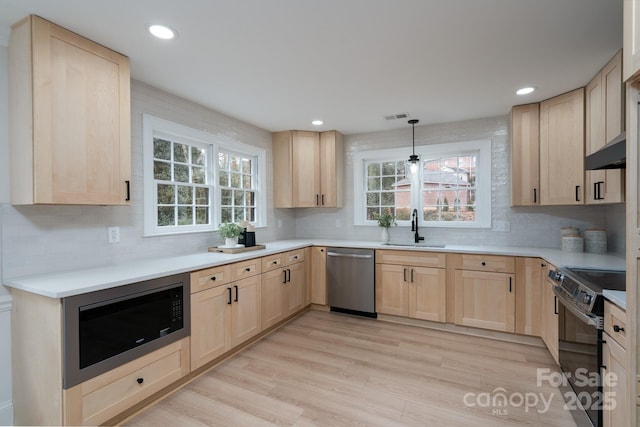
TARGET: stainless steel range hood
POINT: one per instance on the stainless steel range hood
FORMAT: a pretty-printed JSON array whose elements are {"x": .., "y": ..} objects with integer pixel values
[{"x": 611, "y": 156}]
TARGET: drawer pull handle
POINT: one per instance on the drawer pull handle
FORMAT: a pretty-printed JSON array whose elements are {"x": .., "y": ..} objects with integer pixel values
[
  {"x": 213, "y": 278},
  {"x": 484, "y": 263},
  {"x": 140, "y": 380},
  {"x": 274, "y": 262},
  {"x": 295, "y": 257},
  {"x": 617, "y": 328},
  {"x": 248, "y": 269}
]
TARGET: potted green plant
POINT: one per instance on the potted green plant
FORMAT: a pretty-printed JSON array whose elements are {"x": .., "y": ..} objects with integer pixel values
[
  {"x": 385, "y": 220},
  {"x": 230, "y": 233}
]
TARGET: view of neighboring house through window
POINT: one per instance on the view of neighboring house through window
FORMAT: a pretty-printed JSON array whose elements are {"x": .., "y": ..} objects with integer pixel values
[
  {"x": 448, "y": 188},
  {"x": 451, "y": 188}
]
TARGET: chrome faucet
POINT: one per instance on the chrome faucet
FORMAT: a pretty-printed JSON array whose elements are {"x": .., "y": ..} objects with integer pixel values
[{"x": 414, "y": 226}]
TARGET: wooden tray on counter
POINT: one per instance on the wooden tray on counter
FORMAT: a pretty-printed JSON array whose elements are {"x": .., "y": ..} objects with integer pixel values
[{"x": 236, "y": 250}]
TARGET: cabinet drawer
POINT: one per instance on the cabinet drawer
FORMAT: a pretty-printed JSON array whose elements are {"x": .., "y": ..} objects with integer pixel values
[
  {"x": 414, "y": 258},
  {"x": 615, "y": 323},
  {"x": 496, "y": 264},
  {"x": 101, "y": 398},
  {"x": 272, "y": 262},
  {"x": 248, "y": 268},
  {"x": 210, "y": 277},
  {"x": 292, "y": 257}
]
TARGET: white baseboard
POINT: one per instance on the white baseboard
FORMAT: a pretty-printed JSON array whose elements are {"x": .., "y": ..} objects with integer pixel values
[{"x": 6, "y": 413}]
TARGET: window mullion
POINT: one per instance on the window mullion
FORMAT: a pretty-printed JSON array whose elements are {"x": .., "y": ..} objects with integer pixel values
[{"x": 416, "y": 192}]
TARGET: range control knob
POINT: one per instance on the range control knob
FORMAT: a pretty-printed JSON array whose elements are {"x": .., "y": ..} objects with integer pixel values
[{"x": 586, "y": 298}]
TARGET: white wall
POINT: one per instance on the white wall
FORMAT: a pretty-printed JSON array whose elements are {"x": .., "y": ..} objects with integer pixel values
[
  {"x": 40, "y": 239},
  {"x": 534, "y": 226},
  {"x": 6, "y": 405}
]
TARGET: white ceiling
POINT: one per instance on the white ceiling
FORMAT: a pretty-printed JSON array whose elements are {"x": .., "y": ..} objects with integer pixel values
[{"x": 279, "y": 64}]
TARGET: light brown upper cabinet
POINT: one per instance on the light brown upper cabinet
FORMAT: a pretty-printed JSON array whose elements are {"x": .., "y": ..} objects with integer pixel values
[
  {"x": 308, "y": 169},
  {"x": 562, "y": 149},
  {"x": 604, "y": 121},
  {"x": 70, "y": 131},
  {"x": 525, "y": 146},
  {"x": 631, "y": 39}
]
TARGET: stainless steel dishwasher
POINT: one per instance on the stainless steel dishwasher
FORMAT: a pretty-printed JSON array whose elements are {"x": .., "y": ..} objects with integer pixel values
[{"x": 351, "y": 281}]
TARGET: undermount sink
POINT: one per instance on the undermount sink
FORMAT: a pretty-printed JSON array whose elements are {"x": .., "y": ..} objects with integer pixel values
[{"x": 416, "y": 245}]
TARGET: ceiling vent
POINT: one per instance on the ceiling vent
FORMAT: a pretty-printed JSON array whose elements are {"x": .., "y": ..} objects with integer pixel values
[{"x": 396, "y": 116}]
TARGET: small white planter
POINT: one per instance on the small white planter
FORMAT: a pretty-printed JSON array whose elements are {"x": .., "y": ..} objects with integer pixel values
[
  {"x": 231, "y": 242},
  {"x": 385, "y": 235}
]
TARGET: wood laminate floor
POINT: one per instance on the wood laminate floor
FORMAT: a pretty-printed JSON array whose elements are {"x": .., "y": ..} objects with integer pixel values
[{"x": 327, "y": 369}]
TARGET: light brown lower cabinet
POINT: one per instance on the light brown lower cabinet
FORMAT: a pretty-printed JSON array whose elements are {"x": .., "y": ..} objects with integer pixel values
[
  {"x": 99, "y": 399},
  {"x": 529, "y": 280},
  {"x": 283, "y": 293},
  {"x": 615, "y": 380},
  {"x": 485, "y": 300},
  {"x": 411, "y": 291},
  {"x": 224, "y": 317},
  {"x": 615, "y": 383},
  {"x": 550, "y": 314},
  {"x": 319, "y": 275}
]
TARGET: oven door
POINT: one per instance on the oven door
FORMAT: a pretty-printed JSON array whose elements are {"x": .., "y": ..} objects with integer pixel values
[{"x": 580, "y": 356}]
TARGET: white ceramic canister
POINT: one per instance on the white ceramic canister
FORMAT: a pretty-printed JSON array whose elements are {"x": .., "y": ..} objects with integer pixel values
[
  {"x": 572, "y": 243},
  {"x": 566, "y": 231},
  {"x": 595, "y": 241}
]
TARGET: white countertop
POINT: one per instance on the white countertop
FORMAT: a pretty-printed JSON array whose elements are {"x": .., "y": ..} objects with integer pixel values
[
  {"x": 619, "y": 298},
  {"x": 64, "y": 284}
]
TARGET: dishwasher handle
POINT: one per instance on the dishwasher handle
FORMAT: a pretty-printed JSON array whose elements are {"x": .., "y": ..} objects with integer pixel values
[{"x": 341, "y": 255}]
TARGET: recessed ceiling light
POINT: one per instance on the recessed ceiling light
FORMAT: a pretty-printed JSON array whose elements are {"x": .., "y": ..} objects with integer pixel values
[
  {"x": 317, "y": 122},
  {"x": 162, "y": 31},
  {"x": 525, "y": 90}
]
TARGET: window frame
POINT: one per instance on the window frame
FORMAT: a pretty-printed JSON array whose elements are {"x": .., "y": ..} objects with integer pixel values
[
  {"x": 156, "y": 127},
  {"x": 427, "y": 152}
]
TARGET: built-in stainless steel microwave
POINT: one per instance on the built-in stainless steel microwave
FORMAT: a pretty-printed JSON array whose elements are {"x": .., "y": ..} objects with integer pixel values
[{"x": 105, "y": 329}]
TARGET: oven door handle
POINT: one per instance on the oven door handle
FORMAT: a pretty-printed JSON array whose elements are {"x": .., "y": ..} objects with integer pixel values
[{"x": 589, "y": 320}]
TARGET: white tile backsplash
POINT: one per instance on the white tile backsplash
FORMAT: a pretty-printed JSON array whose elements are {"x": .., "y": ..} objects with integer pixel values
[
  {"x": 534, "y": 226},
  {"x": 40, "y": 239}
]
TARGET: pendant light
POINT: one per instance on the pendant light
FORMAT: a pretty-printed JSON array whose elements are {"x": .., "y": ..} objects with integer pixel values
[{"x": 413, "y": 159}]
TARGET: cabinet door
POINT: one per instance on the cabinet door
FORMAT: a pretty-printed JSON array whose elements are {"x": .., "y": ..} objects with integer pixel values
[
  {"x": 392, "y": 290},
  {"x": 631, "y": 38},
  {"x": 210, "y": 324},
  {"x": 319, "y": 275},
  {"x": 282, "y": 169},
  {"x": 245, "y": 311},
  {"x": 306, "y": 169},
  {"x": 562, "y": 149},
  {"x": 525, "y": 155},
  {"x": 529, "y": 277},
  {"x": 550, "y": 313},
  {"x": 294, "y": 300},
  {"x": 427, "y": 293},
  {"x": 331, "y": 170},
  {"x": 272, "y": 297},
  {"x": 80, "y": 119},
  {"x": 485, "y": 300},
  {"x": 605, "y": 121},
  {"x": 615, "y": 383}
]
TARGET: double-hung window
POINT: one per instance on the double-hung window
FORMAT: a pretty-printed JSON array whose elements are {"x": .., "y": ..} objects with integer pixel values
[
  {"x": 450, "y": 188},
  {"x": 194, "y": 180}
]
